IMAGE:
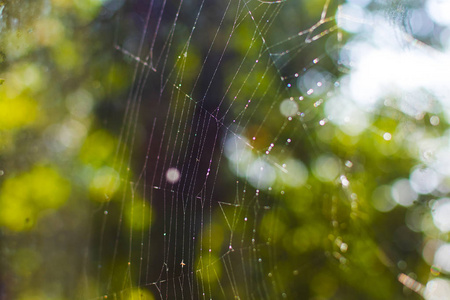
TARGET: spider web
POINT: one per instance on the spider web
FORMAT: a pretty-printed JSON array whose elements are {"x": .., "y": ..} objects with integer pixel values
[
  {"x": 237, "y": 149},
  {"x": 216, "y": 104}
]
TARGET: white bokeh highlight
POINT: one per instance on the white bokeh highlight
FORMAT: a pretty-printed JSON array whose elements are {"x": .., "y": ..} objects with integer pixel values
[
  {"x": 402, "y": 193},
  {"x": 439, "y": 11},
  {"x": 173, "y": 175},
  {"x": 294, "y": 173},
  {"x": 261, "y": 174},
  {"x": 315, "y": 82},
  {"x": 437, "y": 289},
  {"x": 442, "y": 258},
  {"x": 288, "y": 108},
  {"x": 382, "y": 199},
  {"x": 441, "y": 214},
  {"x": 345, "y": 114},
  {"x": 326, "y": 168},
  {"x": 350, "y": 17},
  {"x": 424, "y": 180}
]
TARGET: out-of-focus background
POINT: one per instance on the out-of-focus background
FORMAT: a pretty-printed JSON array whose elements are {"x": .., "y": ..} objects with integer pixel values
[{"x": 167, "y": 149}]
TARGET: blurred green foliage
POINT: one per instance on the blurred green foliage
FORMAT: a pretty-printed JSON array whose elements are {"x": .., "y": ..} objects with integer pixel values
[{"x": 25, "y": 196}]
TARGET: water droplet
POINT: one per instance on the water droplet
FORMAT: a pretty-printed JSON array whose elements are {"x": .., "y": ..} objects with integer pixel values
[
  {"x": 344, "y": 181},
  {"x": 318, "y": 103},
  {"x": 2, "y": 172},
  {"x": 434, "y": 120},
  {"x": 387, "y": 136},
  {"x": 434, "y": 270}
]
